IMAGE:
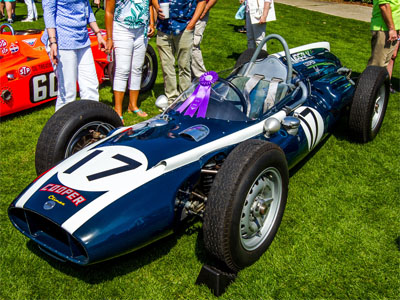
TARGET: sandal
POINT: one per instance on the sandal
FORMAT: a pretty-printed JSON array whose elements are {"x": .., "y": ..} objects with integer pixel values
[{"x": 139, "y": 112}]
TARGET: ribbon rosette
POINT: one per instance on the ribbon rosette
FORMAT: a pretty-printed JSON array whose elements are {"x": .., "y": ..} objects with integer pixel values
[{"x": 198, "y": 100}]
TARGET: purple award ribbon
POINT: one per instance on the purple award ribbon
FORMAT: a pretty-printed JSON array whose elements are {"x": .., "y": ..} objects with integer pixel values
[{"x": 198, "y": 100}]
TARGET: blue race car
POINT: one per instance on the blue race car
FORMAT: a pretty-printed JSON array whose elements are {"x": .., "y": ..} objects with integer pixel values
[{"x": 222, "y": 151}]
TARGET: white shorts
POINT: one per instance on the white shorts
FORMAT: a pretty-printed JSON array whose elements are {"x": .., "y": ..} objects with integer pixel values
[{"x": 129, "y": 52}]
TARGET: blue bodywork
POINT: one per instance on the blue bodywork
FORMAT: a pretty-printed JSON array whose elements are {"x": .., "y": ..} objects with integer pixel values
[{"x": 113, "y": 222}]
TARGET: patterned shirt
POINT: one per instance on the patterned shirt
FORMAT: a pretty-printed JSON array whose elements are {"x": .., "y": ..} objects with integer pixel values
[
  {"x": 180, "y": 14},
  {"x": 70, "y": 19},
  {"x": 132, "y": 14}
]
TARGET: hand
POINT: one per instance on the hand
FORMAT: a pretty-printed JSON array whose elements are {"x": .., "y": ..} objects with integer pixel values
[
  {"x": 203, "y": 14},
  {"x": 241, "y": 1},
  {"x": 102, "y": 42},
  {"x": 53, "y": 54},
  {"x": 392, "y": 35},
  {"x": 151, "y": 30},
  {"x": 160, "y": 14},
  {"x": 109, "y": 46},
  {"x": 263, "y": 20},
  {"x": 97, "y": 2},
  {"x": 190, "y": 26}
]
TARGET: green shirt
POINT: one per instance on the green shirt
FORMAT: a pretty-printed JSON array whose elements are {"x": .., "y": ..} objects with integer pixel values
[{"x": 377, "y": 22}]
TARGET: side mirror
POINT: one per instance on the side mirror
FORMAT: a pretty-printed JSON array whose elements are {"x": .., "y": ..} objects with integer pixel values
[{"x": 162, "y": 102}]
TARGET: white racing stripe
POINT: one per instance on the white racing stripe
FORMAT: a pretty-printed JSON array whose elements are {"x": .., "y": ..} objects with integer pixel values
[
  {"x": 172, "y": 163},
  {"x": 33, "y": 189}
]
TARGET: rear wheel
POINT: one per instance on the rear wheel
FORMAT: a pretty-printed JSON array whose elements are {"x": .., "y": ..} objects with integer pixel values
[
  {"x": 369, "y": 104},
  {"x": 149, "y": 71},
  {"x": 150, "y": 68},
  {"x": 72, "y": 128},
  {"x": 246, "y": 203}
]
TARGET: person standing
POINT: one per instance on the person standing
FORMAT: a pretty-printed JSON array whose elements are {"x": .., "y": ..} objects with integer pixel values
[
  {"x": 128, "y": 25},
  {"x": 32, "y": 11},
  {"x": 258, "y": 13},
  {"x": 175, "y": 38},
  {"x": 67, "y": 42},
  {"x": 385, "y": 26},
  {"x": 198, "y": 67},
  {"x": 10, "y": 8},
  {"x": 2, "y": 5}
]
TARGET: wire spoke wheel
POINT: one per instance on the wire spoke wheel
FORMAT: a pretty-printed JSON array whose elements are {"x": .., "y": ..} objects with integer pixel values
[
  {"x": 86, "y": 135},
  {"x": 72, "y": 128}
]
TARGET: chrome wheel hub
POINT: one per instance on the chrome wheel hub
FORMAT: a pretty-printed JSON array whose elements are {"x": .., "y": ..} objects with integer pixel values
[
  {"x": 378, "y": 107},
  {"x": 260, "y": 208}
]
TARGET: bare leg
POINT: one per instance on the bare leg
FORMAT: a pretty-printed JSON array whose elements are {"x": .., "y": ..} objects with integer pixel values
[
  {"x": 119, "y": 98},
  {"x": 2, "y": 9},
  {"x": 133, "y": 97},
  {"x": 392, "y": 60},
  {"x": 9, "y": 10}
]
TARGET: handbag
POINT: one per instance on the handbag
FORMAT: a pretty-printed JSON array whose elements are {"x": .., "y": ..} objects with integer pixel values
[{"x": 241, "y": 12}]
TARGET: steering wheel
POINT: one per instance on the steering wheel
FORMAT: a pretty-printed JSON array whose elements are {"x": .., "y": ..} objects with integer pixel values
[
  {"x": 6, "y": 25},
  {"x": 237, "y": 91},
  {"x": 287, "y": 54}
]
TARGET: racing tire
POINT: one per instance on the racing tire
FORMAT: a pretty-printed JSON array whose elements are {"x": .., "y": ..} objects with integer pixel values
[
  {"x": 250, "y": 188},
  {"x": 149, "y": 71},
  {"x": 246, "y": 56},
  {"x": 73, "y": 127},
  {"x": 369, "y": 104}
]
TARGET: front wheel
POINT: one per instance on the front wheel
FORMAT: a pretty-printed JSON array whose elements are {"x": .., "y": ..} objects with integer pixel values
[
  {"x": 369, "y": 104},
  {"x": 246, "y": 203},
  {"x": 72, "y": 128}
]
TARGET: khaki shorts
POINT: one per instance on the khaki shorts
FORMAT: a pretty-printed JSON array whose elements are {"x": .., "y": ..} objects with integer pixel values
[{"x": 381, "y": 49}]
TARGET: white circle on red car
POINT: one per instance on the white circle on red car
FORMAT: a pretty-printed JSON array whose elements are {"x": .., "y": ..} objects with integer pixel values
[
  {"x": 24, "y": 71},
  {"x": 3, "y": 44}
]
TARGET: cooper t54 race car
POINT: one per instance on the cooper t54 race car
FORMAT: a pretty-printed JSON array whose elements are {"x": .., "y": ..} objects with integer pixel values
[{"x": 222, "y": 152}]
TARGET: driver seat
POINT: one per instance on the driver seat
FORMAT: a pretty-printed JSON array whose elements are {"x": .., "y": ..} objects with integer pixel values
[{"x": 263, "y": 85}]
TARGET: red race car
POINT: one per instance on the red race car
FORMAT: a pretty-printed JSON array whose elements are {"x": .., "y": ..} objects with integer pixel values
[{"x": 26, "y": 74}]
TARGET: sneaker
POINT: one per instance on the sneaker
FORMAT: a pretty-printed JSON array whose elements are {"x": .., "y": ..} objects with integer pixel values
[
  {"x": 10, "y": 21},
  {"x": 242, "y": 29},
  {"x": 27, "y": 20}
]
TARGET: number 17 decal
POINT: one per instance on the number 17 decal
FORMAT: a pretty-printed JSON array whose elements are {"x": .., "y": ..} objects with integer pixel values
[
  {"x": 131, "y": 164},
  {"x": 104, "y": 168}
]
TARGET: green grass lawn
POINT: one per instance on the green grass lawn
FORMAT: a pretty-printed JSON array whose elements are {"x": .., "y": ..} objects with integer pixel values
[{"x": 338, "y": 236}]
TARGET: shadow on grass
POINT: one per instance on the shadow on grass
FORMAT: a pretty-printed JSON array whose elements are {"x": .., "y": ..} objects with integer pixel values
[
  {"x": 396, "y": 84},
  {"x": 237, "y": 27},
  {"x": 27, "y": 111},
  {"x": 116, "y": 267},
  {"x": 157, "y": 90}
]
